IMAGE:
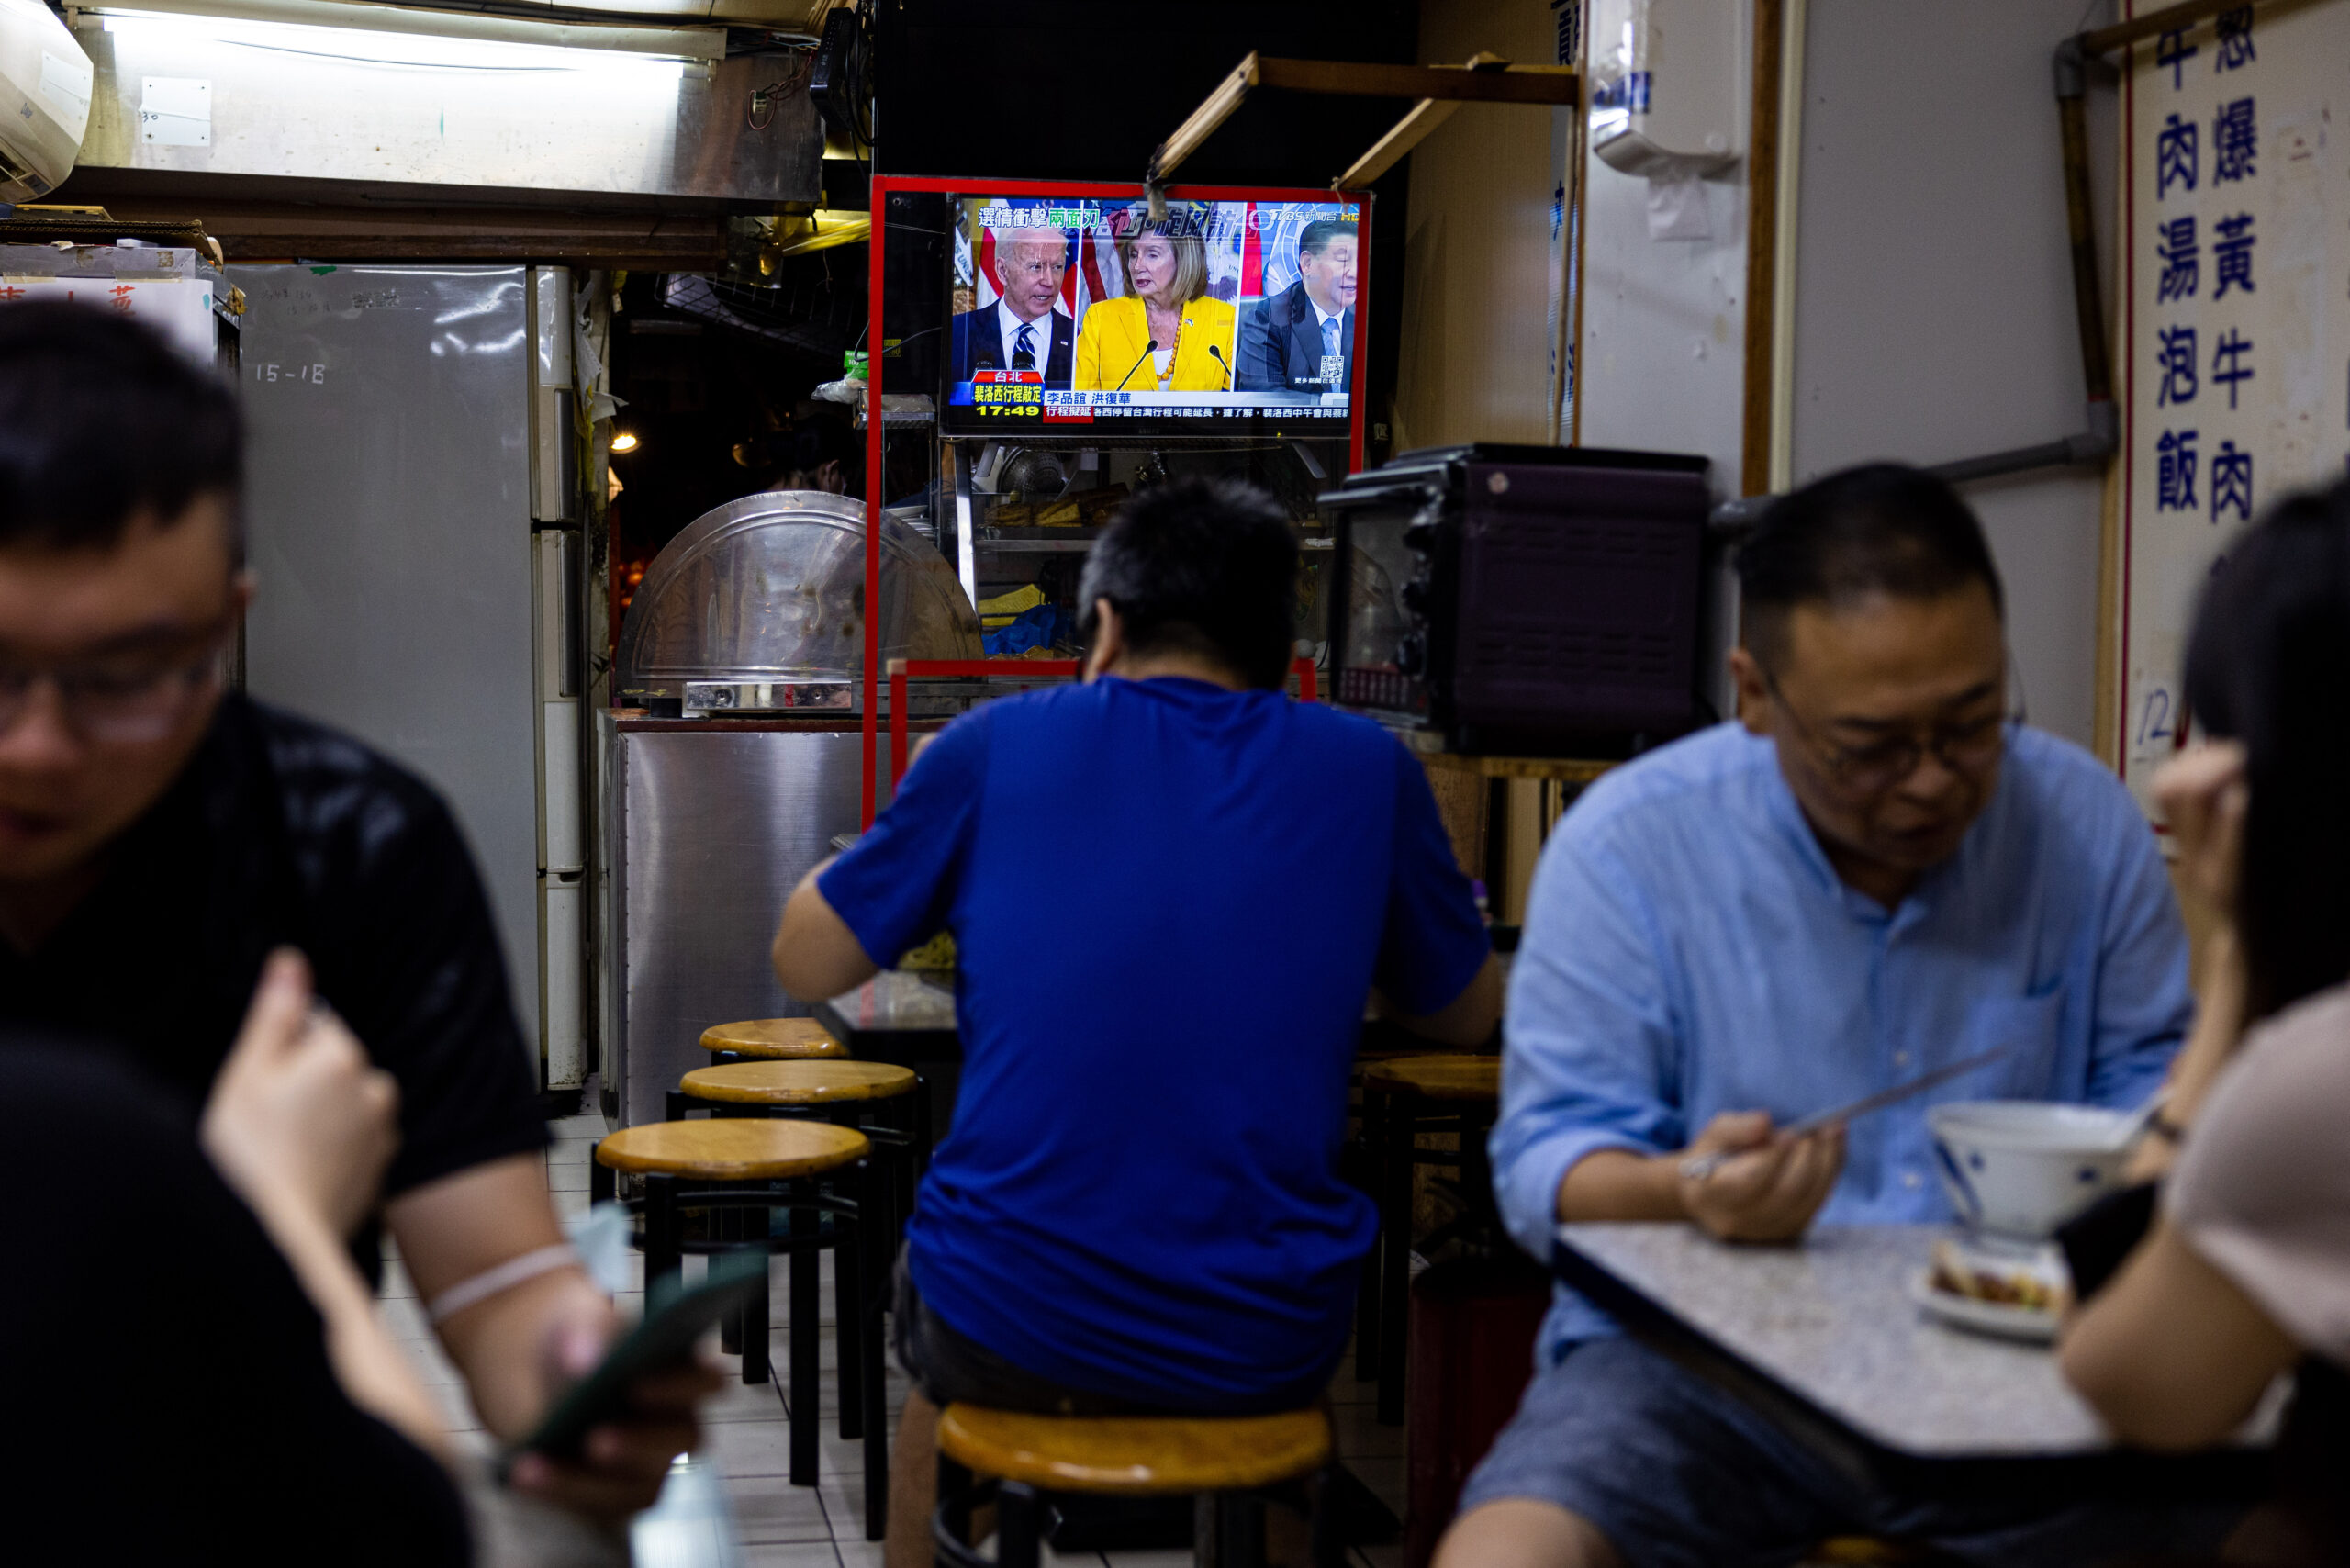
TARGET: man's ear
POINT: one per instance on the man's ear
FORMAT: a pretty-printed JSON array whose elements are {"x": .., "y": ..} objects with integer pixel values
[
  {"x": 1753, "y": 692},
  {"x": 1109, "y": 643}
]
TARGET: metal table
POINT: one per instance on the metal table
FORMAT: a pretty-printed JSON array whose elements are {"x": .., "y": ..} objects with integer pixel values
[
  {"x": 907, "y": 1020},
  {"x": 898, "y": 1017},
  {"x": 1824, "y": 1338}
]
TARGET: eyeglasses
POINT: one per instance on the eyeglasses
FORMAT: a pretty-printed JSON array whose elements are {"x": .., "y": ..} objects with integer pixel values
[
  {"x": 1968, "y": 748},
  {"x": 115, "y": 703}
]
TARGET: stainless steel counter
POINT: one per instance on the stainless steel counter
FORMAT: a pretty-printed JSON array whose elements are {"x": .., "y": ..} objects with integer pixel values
[{"x": 710, "y": 824}]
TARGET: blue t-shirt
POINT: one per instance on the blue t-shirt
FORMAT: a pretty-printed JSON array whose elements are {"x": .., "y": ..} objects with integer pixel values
[{"x": 1168, "y": 903}]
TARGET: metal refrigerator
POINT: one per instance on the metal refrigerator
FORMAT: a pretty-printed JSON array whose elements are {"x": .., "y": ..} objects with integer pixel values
[{"x": 388, "y": 510}]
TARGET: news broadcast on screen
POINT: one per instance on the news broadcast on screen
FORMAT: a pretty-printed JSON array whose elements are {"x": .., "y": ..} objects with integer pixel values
[{"x": 1089, "y": 317}]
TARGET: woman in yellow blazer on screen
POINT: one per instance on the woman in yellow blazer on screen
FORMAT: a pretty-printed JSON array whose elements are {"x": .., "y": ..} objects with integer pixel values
[{"x": 1168, "y": 333}]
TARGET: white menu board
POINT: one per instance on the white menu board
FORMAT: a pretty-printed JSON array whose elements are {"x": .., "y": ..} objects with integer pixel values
[{"x": 2236, "y": 354}]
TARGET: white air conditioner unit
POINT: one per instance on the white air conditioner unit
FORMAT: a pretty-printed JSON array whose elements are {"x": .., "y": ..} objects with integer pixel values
[
  {"x": 1665, "y": 95},
  {"x": 44, "y": 100}
]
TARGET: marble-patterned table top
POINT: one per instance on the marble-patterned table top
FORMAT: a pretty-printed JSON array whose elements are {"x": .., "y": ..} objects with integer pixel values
[{"x": 1831, "y": 1321}]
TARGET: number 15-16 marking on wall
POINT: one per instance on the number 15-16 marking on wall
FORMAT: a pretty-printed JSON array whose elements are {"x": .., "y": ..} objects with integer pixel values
[{"x": 315, "y": 374}]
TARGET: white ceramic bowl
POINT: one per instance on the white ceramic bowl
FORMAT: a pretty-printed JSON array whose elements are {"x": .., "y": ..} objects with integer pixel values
[{"x": 2022, "y": 1168}]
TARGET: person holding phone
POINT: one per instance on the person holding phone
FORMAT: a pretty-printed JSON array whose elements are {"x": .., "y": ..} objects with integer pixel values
[
  {"x": 1166, "y": 334},
  {"x": 161, "y": 835},
  {"x": 294, "y": 1428}
]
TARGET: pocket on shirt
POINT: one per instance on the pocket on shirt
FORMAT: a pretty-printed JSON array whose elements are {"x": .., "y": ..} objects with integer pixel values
[{"x": 2031, "y": 1029}]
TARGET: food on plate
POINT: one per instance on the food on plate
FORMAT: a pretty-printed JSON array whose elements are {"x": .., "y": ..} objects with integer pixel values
[{"x": 1979, "y": 1279}]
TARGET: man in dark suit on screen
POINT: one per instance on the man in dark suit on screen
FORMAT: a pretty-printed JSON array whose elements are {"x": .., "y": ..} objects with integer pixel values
[
  {"x": 1303, "y": 339},
  {"x": 1021, "y": 330}
]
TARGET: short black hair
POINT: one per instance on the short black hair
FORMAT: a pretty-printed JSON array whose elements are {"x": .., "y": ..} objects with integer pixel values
[
  {"x": 1203, "y": 567},
  {"x": 1881, "y": 528},
  {"x": 1317, "y": 235},
  {"x": 2268, "y": 665},
  {"x": 101, "y": 420}
]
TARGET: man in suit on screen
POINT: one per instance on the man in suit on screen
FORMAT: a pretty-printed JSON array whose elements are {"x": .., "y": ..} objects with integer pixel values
[
  {"x": 1021, "y": 330},
  {"x": 1303, "y": 339}
]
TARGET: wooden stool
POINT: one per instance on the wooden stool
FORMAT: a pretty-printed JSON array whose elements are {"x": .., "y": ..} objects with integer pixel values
[
  {"x": 757, "y": 1165},
  {"x": 1402, "y": 1099},
  {"x": 1227, "y": 1460},
  {"x": 847, "y": 1094},
  {"x": 770, "y": 1039}
]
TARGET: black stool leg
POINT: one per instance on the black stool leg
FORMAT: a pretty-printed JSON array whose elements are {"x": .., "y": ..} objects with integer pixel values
[
  {"x": 1366, "y": 1291},
  {"x": 1019, "y": 1525},
  {"x": 922, "y": 1130},
  {"x": 662, "y": 1260},
  {"x": 873, "y": 1228},
  {"x": 1395, "y": 1253},
  {"x": 848, "y": 1326},
  {"x": 805, "y": 1385},
  {"x": 953, "y": 1502},
  {"x": 1326, "y": 1549},
  {"x": 752, "y": 1227},
  {"x": 726, "y": 1225},
  {"x": 1239, "y": 1530},
  {"x": 603, "y": 1184}
]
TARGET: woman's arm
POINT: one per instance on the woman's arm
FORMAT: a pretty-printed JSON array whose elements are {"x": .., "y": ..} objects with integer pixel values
[
  {"x": 2171, "y": 1354},
  {"x": 301, "y": 1126},
  {"x": 2203, "y": 797}
]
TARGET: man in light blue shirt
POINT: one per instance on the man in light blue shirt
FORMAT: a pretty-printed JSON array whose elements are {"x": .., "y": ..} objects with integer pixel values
[{"x": 1874, "y": 873}]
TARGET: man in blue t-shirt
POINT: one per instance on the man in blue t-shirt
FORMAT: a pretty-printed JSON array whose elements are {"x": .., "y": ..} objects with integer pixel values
[{"x": 1171, "y": 891}]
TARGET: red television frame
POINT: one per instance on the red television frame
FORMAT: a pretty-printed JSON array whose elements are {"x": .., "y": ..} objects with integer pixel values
[{"x": 883, "y": 187}]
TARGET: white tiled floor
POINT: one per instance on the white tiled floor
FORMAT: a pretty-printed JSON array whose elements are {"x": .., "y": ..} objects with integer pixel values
[{"x": 747, "y": 1431}]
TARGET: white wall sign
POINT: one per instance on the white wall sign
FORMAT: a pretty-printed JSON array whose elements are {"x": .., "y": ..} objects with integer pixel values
[{"x": 2236, "y": 351}]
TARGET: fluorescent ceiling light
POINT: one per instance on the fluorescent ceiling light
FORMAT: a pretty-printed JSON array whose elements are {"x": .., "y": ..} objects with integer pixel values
[{"x": 446, "y": 49}]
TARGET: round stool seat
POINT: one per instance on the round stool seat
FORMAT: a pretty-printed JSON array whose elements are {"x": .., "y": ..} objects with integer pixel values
[
  {"x": 1135, "y": 1455},
  {"x": 1440, "y": 1078},
  {"x": 733, "y": 1148},
  {"x": 773, "y": 1039},
  {"x": 799, "y": 1082}
]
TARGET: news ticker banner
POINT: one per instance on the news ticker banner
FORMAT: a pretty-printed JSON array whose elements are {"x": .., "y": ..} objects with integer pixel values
[{"x": 1024, "y": 395}]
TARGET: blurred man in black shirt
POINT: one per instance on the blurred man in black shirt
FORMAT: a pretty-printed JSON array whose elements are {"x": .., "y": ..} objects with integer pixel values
[{"x": 159, "y": 835}]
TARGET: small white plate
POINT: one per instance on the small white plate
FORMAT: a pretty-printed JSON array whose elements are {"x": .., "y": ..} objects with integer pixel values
[{"x": 2001, "y": 1319}]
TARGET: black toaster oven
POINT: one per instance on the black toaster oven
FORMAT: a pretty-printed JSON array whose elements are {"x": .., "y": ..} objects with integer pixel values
[{"x": 1520, "y": 600}]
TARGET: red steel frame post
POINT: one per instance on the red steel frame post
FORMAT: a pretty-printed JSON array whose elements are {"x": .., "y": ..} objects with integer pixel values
[{"x": 883, "y": 186}]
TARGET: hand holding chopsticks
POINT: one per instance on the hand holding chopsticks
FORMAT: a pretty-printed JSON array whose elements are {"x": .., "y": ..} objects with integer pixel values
[{"x": 1698, "y": 1167}]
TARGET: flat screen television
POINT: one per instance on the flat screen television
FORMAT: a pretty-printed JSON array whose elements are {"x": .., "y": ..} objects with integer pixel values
[{"x": 1239, "y": 314}]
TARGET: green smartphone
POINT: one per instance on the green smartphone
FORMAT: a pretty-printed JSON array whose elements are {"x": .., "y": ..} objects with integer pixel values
[{"x": 675, "y": 1316}]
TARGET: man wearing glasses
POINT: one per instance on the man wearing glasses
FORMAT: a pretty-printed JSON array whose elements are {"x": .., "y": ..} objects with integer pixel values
[
  {"x": 160, "y": 837},
  {"x": 1021, "y": 330},
  {"x": 1875, "y": 871}
]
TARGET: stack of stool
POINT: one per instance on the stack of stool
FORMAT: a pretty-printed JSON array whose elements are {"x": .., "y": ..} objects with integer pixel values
[
  {"x": 1403, "y": 1099},
  {"x": 813, "y": 1170},
  {"x": 1227, "y": 1462}
]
